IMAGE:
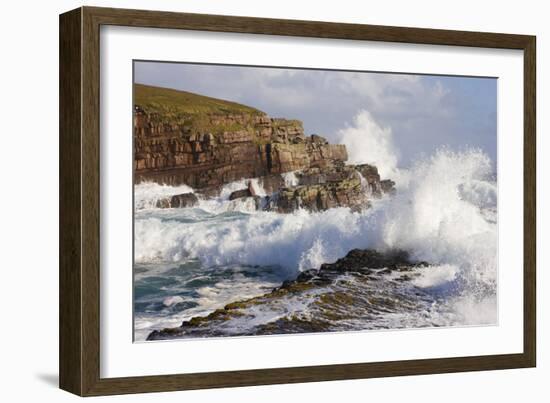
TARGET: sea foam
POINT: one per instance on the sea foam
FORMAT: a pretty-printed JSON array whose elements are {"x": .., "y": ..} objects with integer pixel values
[{"x": 436, "y": 215}]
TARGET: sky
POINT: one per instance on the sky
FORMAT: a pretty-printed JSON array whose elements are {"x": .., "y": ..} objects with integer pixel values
[{"x": 409, "y": 116}]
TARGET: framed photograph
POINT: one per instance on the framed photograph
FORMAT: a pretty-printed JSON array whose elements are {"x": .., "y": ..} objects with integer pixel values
[{"x": 249, "y": 201}]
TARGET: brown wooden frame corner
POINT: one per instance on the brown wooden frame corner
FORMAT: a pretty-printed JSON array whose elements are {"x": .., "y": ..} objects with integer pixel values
[{"x": 79, "y": 200}]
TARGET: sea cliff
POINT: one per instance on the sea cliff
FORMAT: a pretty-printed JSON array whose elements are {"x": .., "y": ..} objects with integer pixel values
[{"x": 205, "y": 143}]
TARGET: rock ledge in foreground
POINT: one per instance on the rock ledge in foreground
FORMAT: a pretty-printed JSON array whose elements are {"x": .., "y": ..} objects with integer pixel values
[{"x": 364, "y": 265}]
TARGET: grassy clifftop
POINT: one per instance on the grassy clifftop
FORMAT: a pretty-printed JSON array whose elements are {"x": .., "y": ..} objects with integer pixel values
[{"x": 176, "y": 104}]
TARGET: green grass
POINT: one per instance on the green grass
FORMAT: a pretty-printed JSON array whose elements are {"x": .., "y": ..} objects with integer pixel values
[
  {"x": 193, "y": 113},
  {"x": 175, "y": 104}
]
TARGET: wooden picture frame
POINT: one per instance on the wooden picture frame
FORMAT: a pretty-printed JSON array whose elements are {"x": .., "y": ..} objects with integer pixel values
[{"x": 79, "y": 346}]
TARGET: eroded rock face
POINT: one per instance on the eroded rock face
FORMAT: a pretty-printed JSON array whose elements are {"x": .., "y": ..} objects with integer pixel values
[
  {"x": 257, "y": 146},
  {"x": 206, "y": 143},
  {"x": 339, "y": 185},
  {"x": 344, "y": 193}
]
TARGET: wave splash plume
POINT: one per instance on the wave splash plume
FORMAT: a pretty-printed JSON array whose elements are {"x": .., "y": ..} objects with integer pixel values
[{"x": 444, "y": 212}]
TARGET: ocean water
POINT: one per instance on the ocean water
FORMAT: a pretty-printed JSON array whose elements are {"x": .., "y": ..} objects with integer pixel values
[{"x": 192, "y": 261}]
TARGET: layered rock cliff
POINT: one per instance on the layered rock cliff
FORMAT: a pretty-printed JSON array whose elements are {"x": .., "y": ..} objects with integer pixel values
[{"x": 185, "y": 138}]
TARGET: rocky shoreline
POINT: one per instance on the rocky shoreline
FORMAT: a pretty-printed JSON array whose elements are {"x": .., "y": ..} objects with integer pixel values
[
  {"x": 206, "y": 143},
  {"x": 367, "y": 280}
]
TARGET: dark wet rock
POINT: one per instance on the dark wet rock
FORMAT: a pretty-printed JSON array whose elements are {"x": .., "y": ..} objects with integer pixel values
[
  {"x": 387, "y": 186},
  {"x": 178, "y": 201},
  {"x": 184, "y": 200},
  {"x": 248, "y": 192},
  {"x": 164, "y": 203},
  {"x": 238, "y": 194},
  {"x": 352, "y": 288},
  {"x": 366, "y": 259},
  {"x": 369, "y": 172}
]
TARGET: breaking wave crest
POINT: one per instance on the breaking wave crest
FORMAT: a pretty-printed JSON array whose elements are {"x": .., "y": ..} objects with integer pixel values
[{"x": 444, "y": 212}]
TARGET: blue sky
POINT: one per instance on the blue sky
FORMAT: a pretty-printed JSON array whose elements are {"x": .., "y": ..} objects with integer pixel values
[{"x": 421, "y": 113}]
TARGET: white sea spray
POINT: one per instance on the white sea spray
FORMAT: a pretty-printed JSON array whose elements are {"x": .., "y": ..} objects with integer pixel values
[
  {"x": 444, "y": 212},
  {"x": 435, "y": 215}
]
